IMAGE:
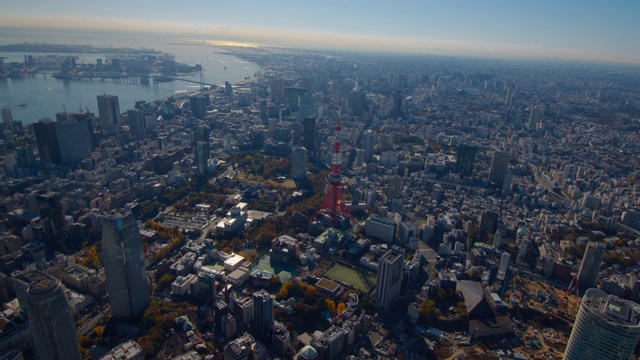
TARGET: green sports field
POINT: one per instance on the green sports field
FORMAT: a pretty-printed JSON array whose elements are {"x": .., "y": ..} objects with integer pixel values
[{"x": 359, "y": 279}]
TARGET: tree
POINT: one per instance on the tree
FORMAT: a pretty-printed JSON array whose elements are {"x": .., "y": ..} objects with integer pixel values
[
  {"x": 99, "y": 330},
  {"x": 331, "y": 307},
  {"x": 342, "y": 308},
  {"x": 427, "y": 312},
  {"x": 166, "y": 280},
  {"x": 310, "y": 294},
  {"x": 283, "y": 293}
]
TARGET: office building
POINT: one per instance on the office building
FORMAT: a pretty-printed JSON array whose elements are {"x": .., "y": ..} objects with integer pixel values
[
  {"x": 299, "y": 163},
  {"x": 74, "y": 134},
  {"x": 202, "y": 157},
  {"x": 263, "y": 312},
  {"x": 369, "y": 143},
  {"x": 358, "y": 102},
  {"x": 309, "y": 133},
  {"x": 330, "y": 343},
  {"x": 504, "y": 265},
  {"x": 389, "y": 278},
  {"x": 499, "y": 166},
  {"x": 397, "y": 104},
  {"x": 466, "y": 159},
  {"x": 380, "y": 228},
  {"x": 64, "y": 141},
  {"x": 306, "y": 106},
  {"x": 240, "y": 348},
  {"x": 281, "y": 340},
  {"x": 136, "y": 124},
  {"x": 489, "y": 222},
  {"x": 7, "y": 118},
  {"x": 534, "y": 117},
  {"x": 394, "y": 189},
  {"x": 47, "y": 140},
  {"x": 123, "y": 260},
  {"x": 198, "y": 105},
  {"x": 129, "y": 350},
  {"x": 590, "y": 266},
  {"x": 109, "y": 113},
  {"x": 606, "y": 328},
  {"x": 50, "y": 316}
]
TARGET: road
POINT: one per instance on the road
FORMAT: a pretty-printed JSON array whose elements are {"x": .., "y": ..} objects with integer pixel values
[{"x": 92, "y": 323}]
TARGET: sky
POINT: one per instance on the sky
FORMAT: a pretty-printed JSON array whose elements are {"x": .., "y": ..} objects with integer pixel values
[{"x": 567, "y": 29}]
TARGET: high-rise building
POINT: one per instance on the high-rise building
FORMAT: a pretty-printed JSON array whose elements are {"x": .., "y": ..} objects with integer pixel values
[
  {"x": 309, "y": 133},
  {"x": 534, "y": 117},
  {"x": 590, "y": 266},
  {"x": 369, "y": 143},
  {"x": 66, "y": 140},
  {"x": 358, "y": 102},
  {"x": 7, "y": 118},
  {"x": 109, "y": 113},
  {"x": 394, "y": 189},
  {"x": 504, "y": 265},
  {"x": 136, "y": 124},
  {"x": 202, "y": 157},
  {"x": 198, "y": 105},
  {"x": 466, "y": 159},
  {"x": 263, "y": 312},
  {"x": 499, "y": 166},
  {"x": 299, "y": 163},
  {"x": 50, "y": 316},
  {"x": 306, "y": 106},
  {"x": 74, "y": 133},
  {"x": 489, "y": 221},
  {"x": 389, "y": 277},
  {"x": 397, "y": 104},
  {"x": 123, "y": 259},
  {"x": 47, "y": 140},
  {"x": 240, "y": 348},
  {"x": 606, "y": 328}
]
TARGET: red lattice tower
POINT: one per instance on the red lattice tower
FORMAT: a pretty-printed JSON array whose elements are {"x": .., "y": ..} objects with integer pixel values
[{"x": 333, "y": 204}]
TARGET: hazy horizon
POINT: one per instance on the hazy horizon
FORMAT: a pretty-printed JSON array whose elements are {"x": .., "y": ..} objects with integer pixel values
[{"x": 569, "y": 30}]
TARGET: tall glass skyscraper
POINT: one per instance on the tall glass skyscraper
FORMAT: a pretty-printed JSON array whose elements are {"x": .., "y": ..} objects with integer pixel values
[
  {"x": 123, "y": 259},
  {"x": 389, "y": 278},
  {"x": 606, "y": 328},
  {"x": 50, "y": 318}
]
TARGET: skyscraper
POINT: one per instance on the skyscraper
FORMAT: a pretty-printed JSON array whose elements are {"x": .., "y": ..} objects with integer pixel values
[
  {"x": 299, "y": 162},
  {"x": 389, "y": 277},
  {"x": 202, "y": 157},
  {"x": 590, "y": 266},
  {"x": 466, "y": 159},
  {"x": 198, "y": 105},
  {"x": 123, "y": 259},
  {"x": 263, "y": 312},
  {"x": 136, "y": 124},
  {"x": 47, "y": 140},
  {"x": 66, "y": 140},
  {"x": 309, "y": 133},
  {"x": 499, "y": 166},
  {"x": 369, "y": 143},
  {"x": 306, "y": 106},
  {"x": 50, "y": 317},
  {"x": 109, "y": 112},
  {"x": 74, "y": 136},
  {"x": 397, "y": 104},
  {"x": 534, "y": 116},
  {"x": 606, "y": 328},
  {"x": 7, "y": 118}
]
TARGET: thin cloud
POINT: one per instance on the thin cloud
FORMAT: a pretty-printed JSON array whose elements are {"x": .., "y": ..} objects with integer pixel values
[{"x": 305, "y": 39}]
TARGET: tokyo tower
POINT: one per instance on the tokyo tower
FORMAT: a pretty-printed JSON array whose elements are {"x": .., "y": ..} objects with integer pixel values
[{"x": 334, "y": 205}]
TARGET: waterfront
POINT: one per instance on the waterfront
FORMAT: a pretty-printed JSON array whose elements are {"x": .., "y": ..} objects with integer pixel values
[{"x": 45, "y": 95}]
